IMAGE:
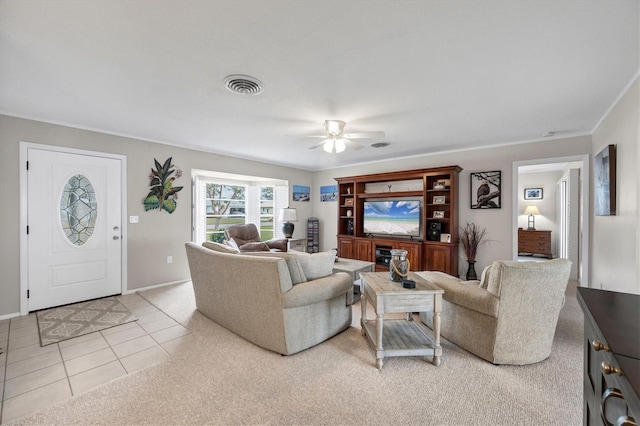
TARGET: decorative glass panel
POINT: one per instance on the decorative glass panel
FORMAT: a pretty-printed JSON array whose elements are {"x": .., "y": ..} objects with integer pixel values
[{"x": 78, "y": 209}]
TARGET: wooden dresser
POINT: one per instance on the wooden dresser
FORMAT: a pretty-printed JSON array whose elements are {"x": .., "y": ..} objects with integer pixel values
[
  {"x": 534, "y": 242},
  {"x": 611, "y": 357}
]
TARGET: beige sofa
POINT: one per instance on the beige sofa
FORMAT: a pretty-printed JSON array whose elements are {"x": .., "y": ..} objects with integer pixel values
[
  {"x": 510, "y": 316},
  {"x": 254, "y": 296}
]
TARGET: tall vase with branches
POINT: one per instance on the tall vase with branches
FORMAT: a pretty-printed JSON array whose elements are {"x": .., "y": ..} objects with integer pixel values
[{"x": 471, "y": 237}]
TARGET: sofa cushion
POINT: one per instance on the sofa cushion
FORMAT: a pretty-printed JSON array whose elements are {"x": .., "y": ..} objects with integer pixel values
[
  {"x": 316, "y": 265},
  {"x": 219, "y": 247},
  {"x": 295, "y": 270}
]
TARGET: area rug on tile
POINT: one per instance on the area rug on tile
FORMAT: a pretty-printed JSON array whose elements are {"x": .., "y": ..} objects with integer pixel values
[{"x": 66, "y": 322}]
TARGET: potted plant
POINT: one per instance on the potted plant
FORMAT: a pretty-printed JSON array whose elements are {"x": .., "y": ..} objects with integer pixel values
[{"x": 471, "y": 237}]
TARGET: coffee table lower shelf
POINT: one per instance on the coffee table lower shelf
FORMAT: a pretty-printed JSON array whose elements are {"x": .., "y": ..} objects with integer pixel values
[{"x": 402, "y": 338}]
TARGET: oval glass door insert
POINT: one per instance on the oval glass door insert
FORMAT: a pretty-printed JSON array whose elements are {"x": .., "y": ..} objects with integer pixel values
[{"x": 78, "y": 209}]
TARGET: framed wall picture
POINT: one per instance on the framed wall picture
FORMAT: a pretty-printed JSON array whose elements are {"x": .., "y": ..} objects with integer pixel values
[
  {"x": 533, "y": 193},
  {"x": 301, "y": 193},
  {"x": 604, "y": 166},
  {"x": 486, "y": 190},
  {"x": 329, "y": 193},
  {"x": 439, "y": 199}
]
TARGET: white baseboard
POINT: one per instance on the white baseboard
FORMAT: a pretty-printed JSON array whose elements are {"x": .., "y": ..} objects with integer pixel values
[
  {"x": 9, "y": 316},
  {"x": 135, "y": 290}
]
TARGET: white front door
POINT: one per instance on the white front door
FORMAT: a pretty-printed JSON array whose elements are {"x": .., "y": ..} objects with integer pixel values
[{"x": 74, "y": 227}]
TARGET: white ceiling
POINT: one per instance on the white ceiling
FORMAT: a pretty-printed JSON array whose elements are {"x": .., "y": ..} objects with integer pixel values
[{"x": 434, "y": 75}]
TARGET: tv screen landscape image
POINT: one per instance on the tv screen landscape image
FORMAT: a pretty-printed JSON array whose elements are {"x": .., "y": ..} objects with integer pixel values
[{"x": 392, "y": 217}]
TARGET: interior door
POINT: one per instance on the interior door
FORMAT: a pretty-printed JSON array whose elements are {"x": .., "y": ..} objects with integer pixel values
[
  {"x": 567, "y": 204},
  {"x": 74, "y": 228}
]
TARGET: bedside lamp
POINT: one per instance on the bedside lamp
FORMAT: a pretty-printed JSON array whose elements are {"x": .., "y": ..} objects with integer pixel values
[
  {"x": 531, "y": 211},
  {"x": 287, "y": 216}
]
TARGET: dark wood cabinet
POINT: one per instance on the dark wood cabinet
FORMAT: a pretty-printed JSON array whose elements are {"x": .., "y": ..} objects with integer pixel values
[
  {"x": 437, "y": 188},
  {"x": 534, "y": 243},
  {"x": 611, "y": 357}
]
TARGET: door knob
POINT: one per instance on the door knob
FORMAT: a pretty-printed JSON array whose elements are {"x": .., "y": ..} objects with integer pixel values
[{"x": 115, "y": 237}]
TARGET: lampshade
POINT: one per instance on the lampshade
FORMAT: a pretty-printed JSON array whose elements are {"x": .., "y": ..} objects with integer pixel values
[
  {"x": 288, "y": 215},
  {"x": 531, "y": 210}
]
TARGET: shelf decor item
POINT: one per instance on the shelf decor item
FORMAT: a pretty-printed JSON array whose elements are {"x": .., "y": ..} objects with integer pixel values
[
  {"x": 398, "y": 265},
  {"x": 439, "y": 199},
  {"x": 471, "y": 237}
]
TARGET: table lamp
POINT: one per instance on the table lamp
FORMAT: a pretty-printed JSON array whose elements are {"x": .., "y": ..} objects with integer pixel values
[
  {"x": 287, "y": 215},
  {"x": 531, "y": 211}
]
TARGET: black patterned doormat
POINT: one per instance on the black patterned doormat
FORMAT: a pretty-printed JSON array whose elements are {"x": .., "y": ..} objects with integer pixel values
[{"x": 67, "y": 322}]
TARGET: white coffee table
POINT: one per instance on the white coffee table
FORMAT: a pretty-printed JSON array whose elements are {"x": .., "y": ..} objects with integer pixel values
[{"x": 400, "y": 337}]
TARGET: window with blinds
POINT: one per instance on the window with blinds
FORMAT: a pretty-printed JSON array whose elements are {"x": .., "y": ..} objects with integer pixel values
[{"x": 221, "y": 201}]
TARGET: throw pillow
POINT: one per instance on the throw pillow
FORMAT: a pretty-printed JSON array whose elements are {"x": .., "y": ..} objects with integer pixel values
[
  {"x": 295, "y": 270},
  {"x": 484, "y": 277},
  {"x": 316, "y": 265},
  {"x": 219, "y": 247},
  {"x": 232, "y": 243}
]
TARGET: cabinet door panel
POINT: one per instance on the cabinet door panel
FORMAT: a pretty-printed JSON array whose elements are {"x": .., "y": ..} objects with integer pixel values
[
  {"x": 345, "y": 248},
  {"x": 363, "y": 250}
]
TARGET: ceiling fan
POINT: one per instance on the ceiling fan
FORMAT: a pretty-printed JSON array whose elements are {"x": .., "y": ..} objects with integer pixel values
[{"x": 335, "y": 140}]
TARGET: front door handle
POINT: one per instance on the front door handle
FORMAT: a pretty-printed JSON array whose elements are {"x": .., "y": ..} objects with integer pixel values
[{"x": 115, "y": 237}]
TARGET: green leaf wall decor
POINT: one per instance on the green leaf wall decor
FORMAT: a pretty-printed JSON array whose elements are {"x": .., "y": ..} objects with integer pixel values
[{"x": 163, "y": 195}]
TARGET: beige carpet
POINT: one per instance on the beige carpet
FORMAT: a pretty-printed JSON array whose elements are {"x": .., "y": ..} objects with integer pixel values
[
  {"x": 222, "y": 379},
  {"x": 66, "y": 322}
]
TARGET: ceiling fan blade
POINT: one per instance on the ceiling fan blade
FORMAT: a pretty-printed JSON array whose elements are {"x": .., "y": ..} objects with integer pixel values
[
  {"x": 306, "y": 136},
  {"x": 365, "y": 135},
  {"x": 317, "y": 145},
  {"x": 353, "y": 144}
]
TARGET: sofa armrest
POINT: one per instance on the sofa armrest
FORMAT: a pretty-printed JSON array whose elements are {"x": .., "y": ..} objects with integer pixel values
[
  {"x": 464, "y": 293},
  {"x": 280, "y": 244},
  {"x": 325, "y": 288},
  {"x": 470, "y": 296}
]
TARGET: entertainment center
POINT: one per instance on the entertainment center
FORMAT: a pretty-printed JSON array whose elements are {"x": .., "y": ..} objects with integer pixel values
[{"x": 413, "y": 210}]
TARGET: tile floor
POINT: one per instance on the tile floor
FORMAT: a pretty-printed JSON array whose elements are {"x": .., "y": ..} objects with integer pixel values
[{"x": 33, "y": 377}]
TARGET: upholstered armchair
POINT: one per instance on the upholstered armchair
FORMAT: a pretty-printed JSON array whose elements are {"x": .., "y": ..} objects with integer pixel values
[
  {"x": 247, "y": 238},
  {"x": 510, "y": 316}
]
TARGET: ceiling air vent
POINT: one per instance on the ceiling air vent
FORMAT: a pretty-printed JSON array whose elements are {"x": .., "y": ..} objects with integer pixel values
[
  {"x": 243, "y": 84},
  {"x": 380, "y": 144}
]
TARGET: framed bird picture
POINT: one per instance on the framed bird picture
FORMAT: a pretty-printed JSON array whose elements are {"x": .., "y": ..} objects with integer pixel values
[{"x": 486, "y": 190}]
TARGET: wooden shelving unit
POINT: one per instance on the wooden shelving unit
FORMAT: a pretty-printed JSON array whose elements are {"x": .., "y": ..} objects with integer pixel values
[{"x": 438, "y": 190}]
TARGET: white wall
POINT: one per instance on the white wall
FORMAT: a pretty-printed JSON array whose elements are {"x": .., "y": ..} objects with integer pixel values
[
  {"x": 158, "y": 234},
  {"x": 614, "y": 247}
]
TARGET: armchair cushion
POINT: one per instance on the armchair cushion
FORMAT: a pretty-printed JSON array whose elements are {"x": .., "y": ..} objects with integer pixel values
[
  {"x": 247, "y": 238},
  {"x": 254, "y": 246},
  {"x": 316, "y": 265}
]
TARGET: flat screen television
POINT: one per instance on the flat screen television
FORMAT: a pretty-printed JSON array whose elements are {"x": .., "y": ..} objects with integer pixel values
[{"x": 400, "y": 217}]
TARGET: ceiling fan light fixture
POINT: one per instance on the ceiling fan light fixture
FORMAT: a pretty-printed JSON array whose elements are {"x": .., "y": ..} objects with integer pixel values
[
  {"x": 334, "y": 127},
  {"x": 334, "y": 145}
]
